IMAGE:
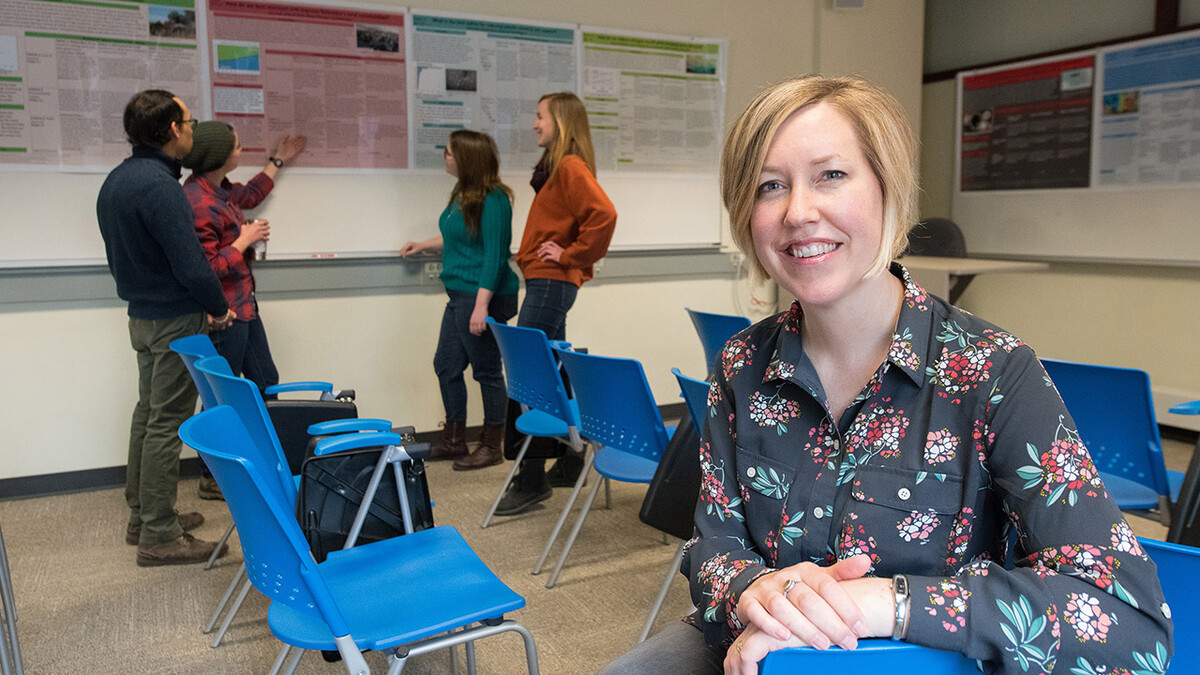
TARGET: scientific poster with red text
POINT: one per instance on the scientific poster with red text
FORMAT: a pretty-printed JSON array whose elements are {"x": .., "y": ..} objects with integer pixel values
[{"x": 335, "y": 74}]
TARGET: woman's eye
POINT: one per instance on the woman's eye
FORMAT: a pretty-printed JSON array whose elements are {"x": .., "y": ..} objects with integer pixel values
[
  {"x": 769, "y": 186},
  {"x": 833, "y": 174}
]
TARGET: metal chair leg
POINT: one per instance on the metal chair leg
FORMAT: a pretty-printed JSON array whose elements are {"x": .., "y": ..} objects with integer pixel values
[
  {"x": 590, "y": 457},
  {"x": 512, "y": 472},
  {"x": 469, "y": 647},
  {"x": 672, "y": 572},
  {"x": 279, "y": 660},
  {"x": 225, "y": 598},
  {"x": 216, "y": 551},
  {"x": 562, "y": 559},
  {"x": 232, "y": 613},
  {"x": 291, "y": 667},
  {"x": 10, "y": 611}
]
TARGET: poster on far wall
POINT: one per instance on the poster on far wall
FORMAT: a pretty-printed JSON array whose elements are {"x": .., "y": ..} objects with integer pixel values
[
  {"x": 485, "y": 74},
  {"x": 333, "y": 73},
  {"x": 67, "y": 70},
  {"x": 1148, "y": 131},
  {"x": 655, "y": 103},
  {"x": 1026, "y": 127}
]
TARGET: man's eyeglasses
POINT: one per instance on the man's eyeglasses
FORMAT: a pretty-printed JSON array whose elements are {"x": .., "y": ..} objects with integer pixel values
[{"x": 191, "y": 123}]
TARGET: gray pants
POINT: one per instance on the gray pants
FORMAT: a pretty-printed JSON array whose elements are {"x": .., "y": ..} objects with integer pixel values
[
  {"x": 677, "y": 648},
  {"x": 166, "y": 398}
]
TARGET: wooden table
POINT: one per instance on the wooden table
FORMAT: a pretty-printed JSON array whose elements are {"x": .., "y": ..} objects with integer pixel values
[{"x": 936, "y": 274}]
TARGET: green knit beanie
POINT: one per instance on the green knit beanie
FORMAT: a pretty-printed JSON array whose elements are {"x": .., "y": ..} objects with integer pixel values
[{"x": 212, "y": 143}]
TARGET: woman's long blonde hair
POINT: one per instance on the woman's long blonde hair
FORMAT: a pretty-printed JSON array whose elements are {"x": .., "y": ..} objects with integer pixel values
[
  {"x": 572, "y": 134},
  {"x": 478, "y": 162}
]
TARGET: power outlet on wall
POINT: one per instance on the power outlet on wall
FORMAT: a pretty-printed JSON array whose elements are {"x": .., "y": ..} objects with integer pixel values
[{"x": 433, "y": 270}]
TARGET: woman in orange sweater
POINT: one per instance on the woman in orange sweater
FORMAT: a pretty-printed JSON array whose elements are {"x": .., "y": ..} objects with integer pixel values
[{"x": 570, "y": 224}]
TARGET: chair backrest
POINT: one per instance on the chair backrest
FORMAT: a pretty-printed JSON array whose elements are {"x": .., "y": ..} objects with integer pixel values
[
  {"x": 1114, "y": 413},
  {"x": 1178, "y": 567},
  {"x": 191, "y": 349},
  {"x": 278, "y": 561},
  {"x": 882, "y": 656},
  {"x": 938, "y": 237},
  {"x": 246, "y": 400},
  {"x": 695, "y": 395},
  {"x": 616, "y": 407},
  {"x": 531, "y": 371},
  {"x": 714, "y": 331}
]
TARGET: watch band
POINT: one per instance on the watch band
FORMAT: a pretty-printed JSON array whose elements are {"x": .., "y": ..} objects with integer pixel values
[
  {"x": 276, "y": 161},
  {"x": 901, "y": 599}
]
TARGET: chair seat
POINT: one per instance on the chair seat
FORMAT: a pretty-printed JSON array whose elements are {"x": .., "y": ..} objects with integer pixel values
[
  {"x": 626, "y": 466},
  {"x": 1130, "y": 495},
  {"x": 544, "y": 425},
  {"x": 400, "y": 590}
]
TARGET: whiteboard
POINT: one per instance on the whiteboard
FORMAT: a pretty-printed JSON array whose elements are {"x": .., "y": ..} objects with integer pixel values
[{"x": 1142, "y": 193}]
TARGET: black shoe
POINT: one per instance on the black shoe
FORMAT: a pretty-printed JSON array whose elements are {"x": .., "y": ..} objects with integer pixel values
[
  {"x": 565, "y": 471},
  {"x": 519, "y": 501}
]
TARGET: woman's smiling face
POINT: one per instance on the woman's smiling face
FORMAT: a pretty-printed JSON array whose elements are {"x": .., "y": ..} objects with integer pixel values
[{"x": 817, "y": 221}]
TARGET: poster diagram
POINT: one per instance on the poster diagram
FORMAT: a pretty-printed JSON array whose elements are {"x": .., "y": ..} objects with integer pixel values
[
  {"x": 68, "y": 69},
  {"x": 1147, "y": 121},
  {"x": 654, "y": 103},
  {"x": 487, "y": 75},
  {"x": 334, "y": 74},
  {"x": 1027, "y": 127}
]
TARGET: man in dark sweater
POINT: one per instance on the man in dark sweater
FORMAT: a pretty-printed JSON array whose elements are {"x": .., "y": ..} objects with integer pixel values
[{"x": 161, "y": 271}]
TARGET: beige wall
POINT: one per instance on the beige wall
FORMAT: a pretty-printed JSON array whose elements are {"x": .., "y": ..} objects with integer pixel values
[{"x": 69, "y": 374}]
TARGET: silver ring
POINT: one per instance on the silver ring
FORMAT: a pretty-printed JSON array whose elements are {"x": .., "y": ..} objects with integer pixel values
[{"x": 790, "y": 584}]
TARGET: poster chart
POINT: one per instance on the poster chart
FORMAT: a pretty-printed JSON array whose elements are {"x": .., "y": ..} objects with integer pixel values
[
  {"x": 484, "y": 74},
  {"x": 68, "y": 69},
  {"x": 1027, "y": 127},
  {"x": 1148, "y": 132},
  {"x": 655, "y": 103},
  {"x": 335, "y": 74}
]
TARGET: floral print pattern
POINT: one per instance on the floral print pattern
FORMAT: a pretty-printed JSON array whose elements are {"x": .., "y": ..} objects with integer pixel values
[{"x": 954, "y": 449}]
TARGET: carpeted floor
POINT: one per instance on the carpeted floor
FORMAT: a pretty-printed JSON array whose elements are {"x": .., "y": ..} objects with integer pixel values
[{"x": 83, "y": 606}]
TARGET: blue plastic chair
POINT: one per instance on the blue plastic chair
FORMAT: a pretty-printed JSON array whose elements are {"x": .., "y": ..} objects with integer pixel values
[
  {"x": 246, "y": 400},
  {"x": 534, "y": 381},
  {"x": 617, "y": 411},
  {"x": 1183, "y": 528},
  {"x": 1178, "y": 567},
  {"x": 395, "y": 595},
  {"x": 715, "y": 330},
  {"x": 1114, "y": 413},
  {"x": 878, "y": 656},
  {"x": 695, "y": 395}
]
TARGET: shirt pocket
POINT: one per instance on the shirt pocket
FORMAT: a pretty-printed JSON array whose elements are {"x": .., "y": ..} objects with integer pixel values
[
  {"x": 907, "y": 490},
  {"x": 767, "y": 477}
]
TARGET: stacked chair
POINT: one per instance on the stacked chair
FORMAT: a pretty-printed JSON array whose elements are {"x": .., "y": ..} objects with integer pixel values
[
  {"x": 714, "y": 331},
  {"x": 406, "y": 596}
]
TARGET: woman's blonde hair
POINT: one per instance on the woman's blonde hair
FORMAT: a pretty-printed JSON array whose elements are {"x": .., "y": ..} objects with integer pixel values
[
  {"x": 883, "y": 133},
  {"x": 478, "y": 163},
  {"x": 572, "y": 135}
]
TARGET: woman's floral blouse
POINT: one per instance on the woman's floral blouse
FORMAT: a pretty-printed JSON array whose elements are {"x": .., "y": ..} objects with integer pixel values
[{"x": 957, "y": 439}]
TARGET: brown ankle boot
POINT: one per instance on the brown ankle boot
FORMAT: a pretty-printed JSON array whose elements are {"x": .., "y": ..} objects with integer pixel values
[
  {"x": 451, "y": 442},
  {"x": 489, "y": 453}
]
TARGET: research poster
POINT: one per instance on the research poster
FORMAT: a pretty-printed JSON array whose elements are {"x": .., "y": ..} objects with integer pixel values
[
  {"x": 1027, "y": 127},
  {"x": 67, "y": 69},
  {"x": 485, "y": 74},
  {"x": 334, "y": 73},
  {"x": 655, "y": 103},
  {"x": 1148, "y": 130}
]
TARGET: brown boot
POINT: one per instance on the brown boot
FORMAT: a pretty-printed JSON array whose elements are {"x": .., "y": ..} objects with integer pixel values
[
  {"x": 451, "y": 442},
  {"x": 489, "y": 453},
  {"x": 185, "y": 550}
]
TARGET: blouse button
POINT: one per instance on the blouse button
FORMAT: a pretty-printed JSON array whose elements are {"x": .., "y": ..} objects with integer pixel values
[
  {"x": 903, "y": 493},
  {"x": 750, "y": 472},
  {"x": 819, "y": 513},
  {"x": 1166, "y": 610}
]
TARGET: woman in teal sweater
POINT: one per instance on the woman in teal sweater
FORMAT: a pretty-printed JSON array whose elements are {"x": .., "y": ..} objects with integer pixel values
[{"x": 476, "y": 234}]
